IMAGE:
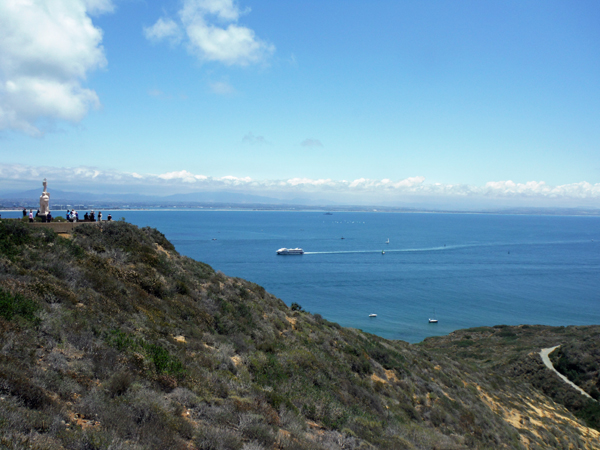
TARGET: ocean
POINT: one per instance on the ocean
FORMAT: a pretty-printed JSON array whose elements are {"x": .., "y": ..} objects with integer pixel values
[{"x": 467, "y": 270}]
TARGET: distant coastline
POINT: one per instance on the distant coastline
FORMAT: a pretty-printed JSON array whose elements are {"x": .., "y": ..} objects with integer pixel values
[{"x": 84, "y": 206}]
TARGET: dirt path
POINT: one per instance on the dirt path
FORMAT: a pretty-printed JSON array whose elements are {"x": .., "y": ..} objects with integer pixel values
[{"x": 544, "y": 354}]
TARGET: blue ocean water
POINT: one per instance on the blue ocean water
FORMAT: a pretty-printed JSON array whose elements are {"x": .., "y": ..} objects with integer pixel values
[{"x": 471, "y": 269}]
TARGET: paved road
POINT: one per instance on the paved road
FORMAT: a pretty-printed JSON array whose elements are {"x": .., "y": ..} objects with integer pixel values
[{"x": 544, "y": 354}]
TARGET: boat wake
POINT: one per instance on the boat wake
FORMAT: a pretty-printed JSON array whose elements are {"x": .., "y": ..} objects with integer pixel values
[
  {"x": 446, "y": 247},
  {"x": 403, "y": 250}
]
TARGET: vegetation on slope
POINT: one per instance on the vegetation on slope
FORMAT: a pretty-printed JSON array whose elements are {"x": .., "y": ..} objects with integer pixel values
[
  {"x": 111, "y": 339},
  {"x": 513, "y": 352}
]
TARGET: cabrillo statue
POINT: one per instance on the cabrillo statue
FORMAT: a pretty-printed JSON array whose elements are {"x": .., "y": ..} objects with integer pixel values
[{"x": 45, "y": 201}]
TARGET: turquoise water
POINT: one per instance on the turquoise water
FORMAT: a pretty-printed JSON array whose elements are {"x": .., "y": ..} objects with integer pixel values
[{"x": 473, "y": 270}]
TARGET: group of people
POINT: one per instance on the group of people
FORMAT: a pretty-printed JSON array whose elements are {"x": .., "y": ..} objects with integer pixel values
[
  {"x": 46, "y": 218},
  {"x": 73, "y": 216}
]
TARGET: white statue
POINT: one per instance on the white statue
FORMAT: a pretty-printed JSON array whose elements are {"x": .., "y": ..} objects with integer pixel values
[{"x": 45, "y": 201}]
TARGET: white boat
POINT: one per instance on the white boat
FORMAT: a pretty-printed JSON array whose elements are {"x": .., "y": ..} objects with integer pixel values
[
  {"x": 372, "y": 315},
  {"x": 434, "y": 320},
  {"x": 290, "y": 251},
  {"x": 388, "y": 241}
]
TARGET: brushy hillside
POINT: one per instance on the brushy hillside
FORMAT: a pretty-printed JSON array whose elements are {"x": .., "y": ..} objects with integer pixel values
[
  {"x": 109, "y": 339},
  {"x": 579, "y": 360},
  {"x": 513, "y": 353}
]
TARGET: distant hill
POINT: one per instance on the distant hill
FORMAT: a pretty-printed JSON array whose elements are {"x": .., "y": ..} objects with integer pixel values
[
  {"x": 226, "y": 199},
  {"x": 59, "y": 196},
  {"x": 222, "y": 197},
  {"x": 112, "y": 340}
]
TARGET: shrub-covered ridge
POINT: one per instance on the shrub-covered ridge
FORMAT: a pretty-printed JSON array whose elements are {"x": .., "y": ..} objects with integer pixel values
[{"x": 111, "y": 339}]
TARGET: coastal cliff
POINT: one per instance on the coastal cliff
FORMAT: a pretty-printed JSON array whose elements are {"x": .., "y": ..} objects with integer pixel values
[{"x": 109, "y": 339}]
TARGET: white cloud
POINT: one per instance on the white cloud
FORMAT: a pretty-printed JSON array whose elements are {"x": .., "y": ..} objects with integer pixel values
[
  {"x": 184, "y": 180},
  {"x": 157, "y": 93},
  {"x": 222, "y": 88},
  {"x": 292, "y": 60},
  {"x": 213, "y": 33},
  {"x": 540, "y": 188},
  {"x": 226, "y": 10},
  {"x": 46, "y": 50},
  {"x": 311, "y": 143},
  {"x": 310, "y": 183},
  {"x": 366, "y": 184},
  {"x": 182, "y": 175},
  {"x": 163, "y": 29},
  {"x": 99, "y": 6}
]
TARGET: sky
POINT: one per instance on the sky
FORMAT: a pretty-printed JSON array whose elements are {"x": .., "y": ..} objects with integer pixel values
[{"x": 386, "y": 102}]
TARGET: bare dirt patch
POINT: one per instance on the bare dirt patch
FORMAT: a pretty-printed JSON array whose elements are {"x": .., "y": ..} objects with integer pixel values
[{"x": 537, "y": 416}]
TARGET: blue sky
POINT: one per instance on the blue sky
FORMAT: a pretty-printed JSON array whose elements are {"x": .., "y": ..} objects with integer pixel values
[{"x": 387, "y": 101}]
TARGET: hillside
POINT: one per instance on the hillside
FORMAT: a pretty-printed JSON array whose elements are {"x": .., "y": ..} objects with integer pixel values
[
  {"x": 513, "y": 353},
  {"x": 109, "y": 339}
]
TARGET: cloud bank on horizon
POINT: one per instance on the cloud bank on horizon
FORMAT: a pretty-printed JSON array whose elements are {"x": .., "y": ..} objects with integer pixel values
[{"x": 385, "y": 190}]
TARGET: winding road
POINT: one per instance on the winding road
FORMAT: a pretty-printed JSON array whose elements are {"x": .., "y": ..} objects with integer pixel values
[{"x": 544, "y": 354}]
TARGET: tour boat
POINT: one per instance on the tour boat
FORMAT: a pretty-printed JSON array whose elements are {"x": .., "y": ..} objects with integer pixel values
[{"x": 290, "y": 251}]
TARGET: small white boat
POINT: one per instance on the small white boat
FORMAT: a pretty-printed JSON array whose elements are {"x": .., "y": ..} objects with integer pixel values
[
  {"x": 434, "y": 320},
  {"x": 388, "y": 241},
  {"x": 383, "y": 252},
  {"x": 372, "y": 315},
  {"x": 290, "y": 251}
]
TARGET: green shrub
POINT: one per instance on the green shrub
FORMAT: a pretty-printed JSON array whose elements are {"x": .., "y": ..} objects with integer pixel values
[
  {"x": 267, "y": 370},
  {"x": 13, "y": 235},
  {"x": 17, "y": 305},
  {"x": 162, "y": 360},
  {"x": 590, "y": 414}
]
